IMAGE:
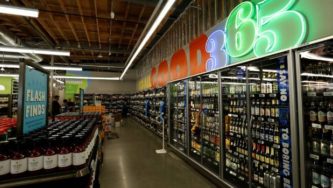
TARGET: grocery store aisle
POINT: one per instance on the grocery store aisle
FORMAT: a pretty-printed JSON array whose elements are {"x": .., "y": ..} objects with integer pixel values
[{"x": 130, "y": 162}]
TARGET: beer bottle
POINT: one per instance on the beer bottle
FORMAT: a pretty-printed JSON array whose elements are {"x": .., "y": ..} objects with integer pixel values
[
  {"x": 262, "y": 154},
  {"x": 258, "y": 154},
  {"x": 271, "y": 158},
  {"x": 325, "y": 176},
  {"x": 276, "y": 134},
  {"x": 313, "y": 112},
  {"x": 330, "y": 114},
  {"x": 267, "y": 155},
  {"x": 254, "y": 149},
  {"x": 322, "y": 114},
  {"x": 255, "y": 172},
  {"x": 271, "y": 133}
]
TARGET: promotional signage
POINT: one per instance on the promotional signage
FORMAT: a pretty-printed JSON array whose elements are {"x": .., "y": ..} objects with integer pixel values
[
  {"x": 253, "y": 29},
  {"x": 33, "y": 98},
  {"x": 284, "y": 124},
  {"x": 81, "y": 100}
]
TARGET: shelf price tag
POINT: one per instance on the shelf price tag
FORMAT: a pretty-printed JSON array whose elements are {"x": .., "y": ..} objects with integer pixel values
[
  {"x": 329, "y": 160},
  {"x": 313, "y": 156},
  {"x": 311, "y": 94},
  {"x": 329, "y": 127},
  {"x": 328, "y": 93},
  {"x": 316, "y": 125}
]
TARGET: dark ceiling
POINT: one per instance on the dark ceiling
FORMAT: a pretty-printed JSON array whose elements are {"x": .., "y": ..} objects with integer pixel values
[{"x": 85, "y": 27}]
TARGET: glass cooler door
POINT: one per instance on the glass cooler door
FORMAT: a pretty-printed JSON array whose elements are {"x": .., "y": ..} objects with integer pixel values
[
  {"x": 195, "y": 111},
  {"x": 210, "y": 125},
  {"x": 315, "y": 93},
  {"x": 234, "y": 118},
  {"x": 178, "y": 111},
  {"x": 270, "y": 123}
]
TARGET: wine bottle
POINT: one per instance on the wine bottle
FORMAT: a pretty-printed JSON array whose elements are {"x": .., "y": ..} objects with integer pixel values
[
  {"x": 4, "y": 161},
  {"x": 322, "y": 113},
  {"x": 19, "y": 163}
]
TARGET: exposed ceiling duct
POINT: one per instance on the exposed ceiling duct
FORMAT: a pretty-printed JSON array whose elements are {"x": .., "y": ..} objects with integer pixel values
[{"x": 9, "y": 39}]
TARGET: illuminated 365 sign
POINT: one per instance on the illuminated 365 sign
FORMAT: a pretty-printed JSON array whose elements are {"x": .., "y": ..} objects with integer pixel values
[{"x": 261, "y": 27}]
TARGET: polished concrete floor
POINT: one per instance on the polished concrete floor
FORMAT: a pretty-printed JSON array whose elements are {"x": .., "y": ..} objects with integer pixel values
[{"x": 130, "y": 162}]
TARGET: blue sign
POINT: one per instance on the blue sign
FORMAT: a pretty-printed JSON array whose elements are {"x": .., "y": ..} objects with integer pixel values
[{"x": 35, "y": 100}]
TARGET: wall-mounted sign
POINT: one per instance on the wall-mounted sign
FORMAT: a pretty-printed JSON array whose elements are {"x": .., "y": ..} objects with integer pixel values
[
  {"x": 33, "y": 98},
  {"x": 253, "y": 29},
  {"x": 6, "y": 85},
  {"x": 72, "y": 87}
]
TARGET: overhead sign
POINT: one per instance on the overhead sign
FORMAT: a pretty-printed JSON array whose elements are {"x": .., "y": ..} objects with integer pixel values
[
  {"x": 253, "y": 29},
  {"x": 33, "y": 98}
]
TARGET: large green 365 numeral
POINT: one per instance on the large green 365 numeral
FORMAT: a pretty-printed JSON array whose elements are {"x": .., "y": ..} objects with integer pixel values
[
  {"x": 279, "y": 27},
  {"x": 241, "y": 30},
  {"x": 264, "y": 27}
]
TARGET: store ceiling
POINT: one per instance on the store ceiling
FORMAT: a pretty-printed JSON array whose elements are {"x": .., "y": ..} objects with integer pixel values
[{"x": 85, "y": 27}]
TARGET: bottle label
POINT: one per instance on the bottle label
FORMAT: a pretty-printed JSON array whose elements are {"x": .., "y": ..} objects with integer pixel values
[
  {"x": 324, "y": 149},
  {"x": 315, "y": 146},
  {"x": 330, "y": 117},
  {"x": 64, "y": 160},
  {"x": 313, "y": 116},
  {"x": 35, "y": 163},
  {"x": 324, "y": 181},
  {"x": 4, "y": 167},
  {"x": 267, "y": 160},
  {"x": 321, "y": 116},
  {"x": 79, "y": 158},
  {"x": 18, "y": 166},
  {"x": 315, "y": 178},
  {"x": 50, "y": 162}
]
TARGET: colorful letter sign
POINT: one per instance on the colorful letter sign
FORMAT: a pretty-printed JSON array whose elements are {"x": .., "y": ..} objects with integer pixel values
[{"x": 253, "y": 29}]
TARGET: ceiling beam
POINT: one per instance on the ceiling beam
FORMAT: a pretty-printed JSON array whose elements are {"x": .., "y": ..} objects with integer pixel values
[
  {"x": 93, "y": 46},
  {"x": 87, "y": 57},
  {"x": 78, "y": 2},
  {"x": 124, "y": 23},
  {"x": 63, "y": 8},
  {"x": 97, "y": 25},
  {"x": 54, "y": 23},
  {"x": 136, "y": 26},
  {"x": 59, "y": 16}
]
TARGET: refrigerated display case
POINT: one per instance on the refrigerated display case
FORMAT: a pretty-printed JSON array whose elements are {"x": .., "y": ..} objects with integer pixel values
[
  {"x": 205, "y": 142},
  {"x": 178, "y": 116},
  {"x": 242, "y": 122},
  {"x": 257, "y": 115},
  {"x": 315, "y": 98}
]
